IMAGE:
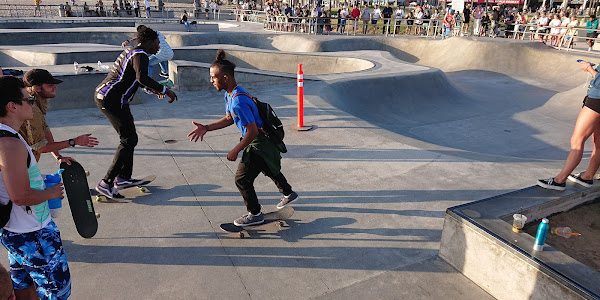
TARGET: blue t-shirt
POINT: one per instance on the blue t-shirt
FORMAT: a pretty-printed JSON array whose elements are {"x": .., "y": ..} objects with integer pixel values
[{"x": 242, "y": 109}]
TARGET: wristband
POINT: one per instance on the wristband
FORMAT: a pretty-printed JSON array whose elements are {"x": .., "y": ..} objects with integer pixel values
[
  {"x": 72, "y": 142},
  {"x": 59, "y": 157}
]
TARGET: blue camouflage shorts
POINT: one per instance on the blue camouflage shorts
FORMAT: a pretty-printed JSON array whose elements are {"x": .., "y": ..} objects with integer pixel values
[{"x": 38, "y": 257}]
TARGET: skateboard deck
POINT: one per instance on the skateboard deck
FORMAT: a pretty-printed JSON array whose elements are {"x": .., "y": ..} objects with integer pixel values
[
  {"x": 276, "y": 217},
  {"x": 78, "y": 193},
  {"x": 127, "y": 192}
]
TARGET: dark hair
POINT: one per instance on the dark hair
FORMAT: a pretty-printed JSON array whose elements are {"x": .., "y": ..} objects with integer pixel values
[
  {"x": 141, "y": 28},
  {"x": 224, "y": 65},
  {"x": 146, "y": 35},
  {"x": 10, "y": 91},
  {"x": 592, "y": 16}
]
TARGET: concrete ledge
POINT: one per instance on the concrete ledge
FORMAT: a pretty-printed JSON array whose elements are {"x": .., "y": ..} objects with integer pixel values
[
  {"x": 194, "y": 76},
  {"x": 201, "y": 27},
  {"x": 478, "y": 240}
]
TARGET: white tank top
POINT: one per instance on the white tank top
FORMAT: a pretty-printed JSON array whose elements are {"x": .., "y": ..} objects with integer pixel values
[{"x": 22, "y": 220}]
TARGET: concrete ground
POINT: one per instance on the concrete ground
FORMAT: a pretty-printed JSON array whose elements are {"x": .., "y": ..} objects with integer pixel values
[{"x": 389, "y": 152}]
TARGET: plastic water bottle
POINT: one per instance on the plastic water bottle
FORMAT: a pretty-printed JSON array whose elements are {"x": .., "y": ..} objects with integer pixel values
[
  {"x": 76, "y": 66},
  {"x": 56, "y": 203},
  {"x": 99, "y": 66},
  {"x": 540, "y": 237},
  {"x": 562, "y": 231}
]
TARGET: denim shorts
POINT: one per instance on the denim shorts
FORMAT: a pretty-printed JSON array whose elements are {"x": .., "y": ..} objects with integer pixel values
[{"x": 38, "y": 257}]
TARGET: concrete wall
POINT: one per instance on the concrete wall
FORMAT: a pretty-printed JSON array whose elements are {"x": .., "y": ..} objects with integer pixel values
[
  {"x": 500, "y": 271},
  {"x": 193, "y": 76},
  {"x": 202, "y": 27},
  {"x": 277, "y": 61}
]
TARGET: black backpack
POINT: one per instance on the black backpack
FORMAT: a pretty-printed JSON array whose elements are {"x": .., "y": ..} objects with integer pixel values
[
  {"x": 6, "y": 209},
  {"x": 272, "y": 126}
]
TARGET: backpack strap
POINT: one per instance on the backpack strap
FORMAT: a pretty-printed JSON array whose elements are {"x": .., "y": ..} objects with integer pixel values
[
  {"x": 253, "y": 100},
  {"x": 6, "y": 133}
]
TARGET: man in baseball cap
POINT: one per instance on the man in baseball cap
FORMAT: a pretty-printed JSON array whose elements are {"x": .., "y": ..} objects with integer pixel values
[{"x": 42, "y": 85}]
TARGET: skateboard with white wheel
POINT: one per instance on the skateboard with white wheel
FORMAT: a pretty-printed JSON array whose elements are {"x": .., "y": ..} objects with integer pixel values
[
  {"x": 276, "y": 218},
  {"x": 141, "y": 189}
]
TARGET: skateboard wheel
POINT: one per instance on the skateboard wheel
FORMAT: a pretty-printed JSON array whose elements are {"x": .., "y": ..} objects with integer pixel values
[
  {"x": 97, "y": 216},
  {"x": 143, "y": 189},
  {"x": 98, "y": 198},
  {"x": 242, "y": 235},
  {"x": 87, "y": 173}
]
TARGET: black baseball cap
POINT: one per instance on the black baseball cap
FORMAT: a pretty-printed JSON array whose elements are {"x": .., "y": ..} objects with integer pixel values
[{"x": 39, "y": 77}]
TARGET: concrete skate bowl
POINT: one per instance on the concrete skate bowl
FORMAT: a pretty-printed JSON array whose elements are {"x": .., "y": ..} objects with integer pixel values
[
  {"x": 256, "y": 67},
  {"x": 276, "y": 61},
  {"x": 504, "y": 99}
]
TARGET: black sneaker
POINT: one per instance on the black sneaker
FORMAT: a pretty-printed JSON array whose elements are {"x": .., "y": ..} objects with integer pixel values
[
  {"x": 577, "y": 179},
  {"x": 285, "y": 200},
  {"x": 551, "y": 184},
  {"x": 249, "y": 219},
  {"x": 121, "y": 183},
  {"x": 108, "y": 191}
]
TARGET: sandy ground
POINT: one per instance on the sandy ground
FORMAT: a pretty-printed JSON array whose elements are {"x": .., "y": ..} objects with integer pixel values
[{"x": 584, "y": 220}]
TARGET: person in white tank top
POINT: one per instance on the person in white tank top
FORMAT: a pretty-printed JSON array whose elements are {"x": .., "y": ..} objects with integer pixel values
[{"x": 37, "y": 260}]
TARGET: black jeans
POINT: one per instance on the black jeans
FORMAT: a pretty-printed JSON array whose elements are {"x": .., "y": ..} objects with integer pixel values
[
  {"x": 247, "y": 173},
  {"x": 121, "y": 119}
]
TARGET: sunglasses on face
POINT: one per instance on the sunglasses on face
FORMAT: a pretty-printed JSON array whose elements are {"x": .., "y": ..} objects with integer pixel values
[{"x": 30, "y": 100}]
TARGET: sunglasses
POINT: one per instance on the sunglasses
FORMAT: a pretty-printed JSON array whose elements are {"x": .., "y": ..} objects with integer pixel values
[{"x": 30, "y": 100}]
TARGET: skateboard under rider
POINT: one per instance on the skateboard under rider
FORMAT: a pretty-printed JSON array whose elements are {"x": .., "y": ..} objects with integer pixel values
[
  {"x": 276, "y": 217},
  {"x": 78, "y": 193},
  {"x": 140, "y": 186}
]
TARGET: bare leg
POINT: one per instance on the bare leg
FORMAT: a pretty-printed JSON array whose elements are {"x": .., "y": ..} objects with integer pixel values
[
  {"x": 587, "y": 123},
  {"x": 27, "y": 294},
  {"x": 595, "y": 159}
]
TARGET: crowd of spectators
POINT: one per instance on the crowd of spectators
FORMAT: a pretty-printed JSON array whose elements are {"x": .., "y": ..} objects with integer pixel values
[{"x": 556, "y": 26}]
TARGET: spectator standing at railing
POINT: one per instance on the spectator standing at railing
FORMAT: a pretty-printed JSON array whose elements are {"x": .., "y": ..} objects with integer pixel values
[
  {"x": 520, "y": 25},
  {"x": 343, "y": 16},
  {"x": 115, "y": 8},
  {"x": 398, "y": 16},
  {"x": 509, "y": 21},
  {"x": 207, "y": 8},
  {"x": 214, "y": 7},
  {"x": 147, "y": 7},
  {"x": 327, "y": 21},
  {"x": 448, "y": 21},
  {"x": 387, "y": 15},
  {"x": 419, "y": 19},
  {"x": 136, "y": 8},
  {"x": 376, "y": 15},
  {"x": 572, "y": 31},
  {"x": 467, "y": 19},
  {"x": 533, "y": 28},
  {"x": 495, "y": 22},
  {"x": 477, "y": 15},
  {"x": 100, "y": 8},
  {"x": 365, "y": 15},
  {"x": 36, "y": 10},
  {"x": 592, "y": 24},
  {"x": 542, "y": 30},
  {"x": 564, "y": 24},
  {"x": 355, "y": 15},
  {"x": 554, "y": 29},
  {"x": 410, "y": 21},
  {"x": 67, "y": 9}
]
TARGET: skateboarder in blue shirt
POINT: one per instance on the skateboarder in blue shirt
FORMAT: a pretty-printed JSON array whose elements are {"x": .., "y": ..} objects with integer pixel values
[{"x": 260, "y": 155}]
